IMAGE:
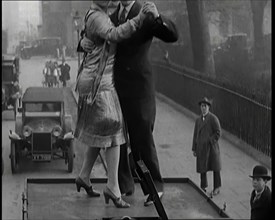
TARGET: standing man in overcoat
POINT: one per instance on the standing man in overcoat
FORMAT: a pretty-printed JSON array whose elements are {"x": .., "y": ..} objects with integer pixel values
[
  {"x": 205, "y": 147},
  {"x": 65, "y": 72},
  {"x": 135, "y": 87}
]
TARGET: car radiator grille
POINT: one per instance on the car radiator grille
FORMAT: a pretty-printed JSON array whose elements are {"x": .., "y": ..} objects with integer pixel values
[{"x": 41, "y": 142}]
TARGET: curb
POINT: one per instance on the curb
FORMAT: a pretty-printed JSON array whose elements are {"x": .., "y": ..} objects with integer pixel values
[
  {"x": 240, "y": 144},
  {"x": 75, "y": 95}
]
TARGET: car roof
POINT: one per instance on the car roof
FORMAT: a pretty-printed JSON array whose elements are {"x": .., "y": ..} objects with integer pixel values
[
  {"x": 8, "y": 63},
  {"x": 8, "y": 57},
  {"x": 43, "y": 94},
  {"x": 49, "y": 38},
  {"x": 8, "y": 60}
]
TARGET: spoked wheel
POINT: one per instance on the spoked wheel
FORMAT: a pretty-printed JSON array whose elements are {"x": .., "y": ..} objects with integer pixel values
[
  {"x": 14, "y": 158},
  {"x": 70, "y": 157}
]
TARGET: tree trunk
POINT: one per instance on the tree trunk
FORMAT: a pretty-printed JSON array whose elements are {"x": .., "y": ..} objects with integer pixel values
[
  {"x": 202, "y": 53},
  {"x": 257, "y": 8}
]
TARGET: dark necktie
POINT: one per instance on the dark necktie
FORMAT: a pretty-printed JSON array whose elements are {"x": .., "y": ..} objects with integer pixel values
[
  {"x": 122, "y": 17},
  {"x": 257, "y": 196}
]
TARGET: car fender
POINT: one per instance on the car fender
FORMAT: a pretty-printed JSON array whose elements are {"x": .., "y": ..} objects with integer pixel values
[
  {"x": 18, "y": 124},
  {"x": 68, "y": 123}
]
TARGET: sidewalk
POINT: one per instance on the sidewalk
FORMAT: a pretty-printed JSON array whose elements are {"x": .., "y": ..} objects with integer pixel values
[{"x": 173, "y": 135}]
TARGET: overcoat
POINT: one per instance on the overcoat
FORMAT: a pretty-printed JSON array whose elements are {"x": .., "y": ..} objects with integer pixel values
[
  {"x": 65, "y": 72},
  {"x": 261, "y": 208},
  {"x": 205, "y": 143}
]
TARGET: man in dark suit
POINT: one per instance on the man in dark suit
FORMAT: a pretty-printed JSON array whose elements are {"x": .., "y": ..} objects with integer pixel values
[{"x": 135, "y": 86}]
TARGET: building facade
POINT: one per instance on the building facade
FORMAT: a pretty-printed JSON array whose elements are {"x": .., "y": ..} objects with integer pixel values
[
  {"x": 58, "y": 19},
  {"x": 20, "y": 20}
]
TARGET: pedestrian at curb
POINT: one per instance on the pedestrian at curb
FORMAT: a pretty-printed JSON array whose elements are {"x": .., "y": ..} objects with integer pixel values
[
  {"x": 65, "y": 72},
  {"x": 205, "y": 146},
  {"x": 260, "y": 200}
]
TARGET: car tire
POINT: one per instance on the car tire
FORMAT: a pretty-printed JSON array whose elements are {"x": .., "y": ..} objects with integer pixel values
[
  {"x": 14, "y": 158},
  {"x": 70, "y": 157}
]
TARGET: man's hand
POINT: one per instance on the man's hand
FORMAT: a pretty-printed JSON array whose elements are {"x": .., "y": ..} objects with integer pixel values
[
  {"x": 150, "y": 7},
  {"x": 194, "y": 153},
  {"x": 87, "y": 44}
]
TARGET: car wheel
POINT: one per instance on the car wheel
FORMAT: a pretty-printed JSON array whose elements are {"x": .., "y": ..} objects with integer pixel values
[
  {"x": 14, "y": 158},
  {"x": 70, "y": 157}
]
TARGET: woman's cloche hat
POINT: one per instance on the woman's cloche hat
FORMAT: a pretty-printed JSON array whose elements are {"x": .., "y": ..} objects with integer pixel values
[
  {"x": 206, "y": 101},
  {"x": 260, "y": 171}
]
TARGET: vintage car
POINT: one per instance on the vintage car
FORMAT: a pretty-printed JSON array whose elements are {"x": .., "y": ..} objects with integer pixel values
[
  {"x": 43, "y": 131},
  {"x": 11, "y": 91},
  {"x": 46, "y": 46}
]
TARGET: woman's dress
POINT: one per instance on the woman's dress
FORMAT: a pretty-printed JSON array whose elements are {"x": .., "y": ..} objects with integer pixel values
[{"x": 101, "y": 124}]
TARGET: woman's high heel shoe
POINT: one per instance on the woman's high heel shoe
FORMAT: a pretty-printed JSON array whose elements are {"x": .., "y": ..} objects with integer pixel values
[
  {"x": 89, "y": 189},
  {"x": 118, "y": 201}
]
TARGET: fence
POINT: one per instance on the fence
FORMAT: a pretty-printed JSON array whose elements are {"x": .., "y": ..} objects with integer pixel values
[{"x": 248, "y": 120}]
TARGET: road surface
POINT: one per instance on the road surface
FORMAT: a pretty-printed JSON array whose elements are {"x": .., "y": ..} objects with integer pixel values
[{"x": 13, "y": 184}]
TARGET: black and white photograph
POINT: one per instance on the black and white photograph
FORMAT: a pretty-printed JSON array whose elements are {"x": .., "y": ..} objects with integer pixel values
[{"x": 120, "y": 110}]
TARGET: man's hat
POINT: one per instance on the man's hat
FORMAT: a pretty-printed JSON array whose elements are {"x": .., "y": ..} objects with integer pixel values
[
  {"x": 206, "y": 101},
  {"x": 260, "y": 171}
]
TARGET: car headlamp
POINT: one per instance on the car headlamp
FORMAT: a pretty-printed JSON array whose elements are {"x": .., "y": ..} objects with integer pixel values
[
  {"x": 27, "y": 131},
  {"x": 57, "y": 131}
]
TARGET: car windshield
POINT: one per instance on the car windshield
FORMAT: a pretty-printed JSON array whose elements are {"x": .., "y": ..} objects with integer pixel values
[
  {"x": 42, "y": 109},
  {"x": 8, "y": 73}
]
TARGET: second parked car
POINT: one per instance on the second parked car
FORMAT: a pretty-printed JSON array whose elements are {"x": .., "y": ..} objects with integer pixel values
[{"x": 42, "y": 128}]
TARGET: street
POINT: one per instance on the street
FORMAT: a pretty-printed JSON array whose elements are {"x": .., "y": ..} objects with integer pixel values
[
  {"x": 13, "y": 184},
  {"x": 173, "y": 138}
]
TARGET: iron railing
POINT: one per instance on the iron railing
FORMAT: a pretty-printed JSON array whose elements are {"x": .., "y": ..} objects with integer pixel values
[{"x": 247, "y": 119}]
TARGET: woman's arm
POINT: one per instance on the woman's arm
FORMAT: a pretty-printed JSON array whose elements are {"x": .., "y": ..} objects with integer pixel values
[{"x": 100, "y": 24}]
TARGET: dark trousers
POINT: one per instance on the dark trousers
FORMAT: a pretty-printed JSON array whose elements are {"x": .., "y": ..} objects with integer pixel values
[
  {"x": 139, "y": 115},
  {"x": 64, "y": 82},
  {"x": 125, "y": 178},
  {"x": 216, "y": 179}
]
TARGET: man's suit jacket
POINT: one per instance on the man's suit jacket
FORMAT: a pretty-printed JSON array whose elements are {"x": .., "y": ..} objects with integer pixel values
[
  {"x": 261, "y": 208},
  {"x": 132, "y": 70}
]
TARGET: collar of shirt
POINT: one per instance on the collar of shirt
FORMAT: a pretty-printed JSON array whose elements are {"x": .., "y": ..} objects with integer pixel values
[
  {"x": 258, "y": 194},
  {"x": 128, "y": 8},
  {"x": 204, "y": 116}
]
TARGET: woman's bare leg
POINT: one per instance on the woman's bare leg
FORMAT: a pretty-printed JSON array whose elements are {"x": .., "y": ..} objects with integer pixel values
[
  {"x": 112, "y": 159},
  {"x": 90, "y": 156}
]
